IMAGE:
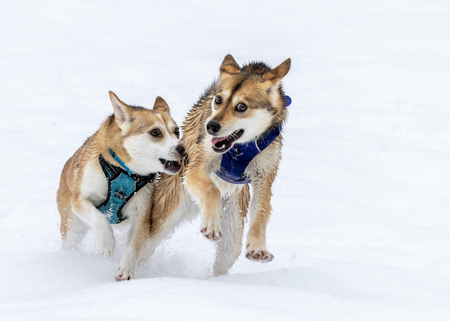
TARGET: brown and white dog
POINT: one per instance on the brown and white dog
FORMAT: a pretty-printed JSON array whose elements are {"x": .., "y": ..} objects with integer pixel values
[
  {"x": 145, "y": 141},
  {"x": 242, "y": 105}
]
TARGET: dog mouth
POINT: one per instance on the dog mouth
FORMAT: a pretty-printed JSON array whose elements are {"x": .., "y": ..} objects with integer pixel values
[
  {"x": 223, "y": 144},
  {"x": 170, "y": 166}
]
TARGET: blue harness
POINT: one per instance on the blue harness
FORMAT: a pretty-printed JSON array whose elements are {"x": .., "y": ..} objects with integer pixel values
[
  {"x": 235, "y": 161},
  {"x": 122, "y": 185}
]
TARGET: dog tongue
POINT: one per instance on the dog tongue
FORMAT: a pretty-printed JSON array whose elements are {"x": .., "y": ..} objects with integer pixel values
[{"x": 215, "y": 140}]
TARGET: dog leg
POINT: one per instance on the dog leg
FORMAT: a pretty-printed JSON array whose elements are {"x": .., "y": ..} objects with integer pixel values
[
  {"x": 72, "y": 229},
  {"x": 144, "y": 243},
  {"x": 170, "y": 206},
  {"x": 138, "y": 237},
  {"x": 153, "y": 226},
  {"x": 207, "y": 195},
  {"x": 260, "y": 210},
  {"x": 127, "y": 265},
  {"x": 131, "y": 232},
  {"x": 229, "y": 246},
  {"x": 104, "y": 236}
]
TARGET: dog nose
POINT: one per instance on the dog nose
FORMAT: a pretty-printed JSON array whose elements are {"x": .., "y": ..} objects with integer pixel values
[
  {"x": 180, "y": 149},
  {"x": 213, "y": 127}
]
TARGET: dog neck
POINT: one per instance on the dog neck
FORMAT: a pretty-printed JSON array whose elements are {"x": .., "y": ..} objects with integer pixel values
[{"x": 235, "y": 161}]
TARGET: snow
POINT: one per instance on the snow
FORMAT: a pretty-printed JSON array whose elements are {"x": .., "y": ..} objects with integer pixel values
[{"x": 360, "y": 227}]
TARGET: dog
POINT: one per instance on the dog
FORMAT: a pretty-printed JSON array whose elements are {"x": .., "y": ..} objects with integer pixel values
[
  {"x": 110, "y": 178},
  {"x": 242, "y": 110}
]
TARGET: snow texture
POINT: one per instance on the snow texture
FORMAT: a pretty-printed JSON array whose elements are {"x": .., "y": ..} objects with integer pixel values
[{"x": 360, "y": 227}]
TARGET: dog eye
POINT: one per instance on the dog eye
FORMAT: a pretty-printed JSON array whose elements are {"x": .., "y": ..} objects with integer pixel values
[
  {"x": 218, "y": 100},
  {"x": 241, "y": 107},
  {"x": 177, "y": 132},
  {"x": 155, "y": 132}
]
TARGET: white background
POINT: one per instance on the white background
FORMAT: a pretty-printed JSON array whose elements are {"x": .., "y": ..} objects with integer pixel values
[{"x": 360, "y": 227}]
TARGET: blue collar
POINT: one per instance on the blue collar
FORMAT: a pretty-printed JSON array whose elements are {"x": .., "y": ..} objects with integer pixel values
[
  {"x": 235, "y": 161},
  {"x": 123, "y": 184}
]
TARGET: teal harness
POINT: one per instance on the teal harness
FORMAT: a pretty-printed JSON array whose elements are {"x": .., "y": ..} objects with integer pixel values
[{"x": 123, "y": 184}]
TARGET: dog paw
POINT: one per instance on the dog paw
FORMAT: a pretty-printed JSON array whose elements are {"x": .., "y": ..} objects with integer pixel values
[
  {"x": 106, "y": 244},
  {"x": 258, "y": 255},
  {"x": 124, "y": 274},
  {"x": 127, "y": 265},
  {"x": 211, "y": 230}
]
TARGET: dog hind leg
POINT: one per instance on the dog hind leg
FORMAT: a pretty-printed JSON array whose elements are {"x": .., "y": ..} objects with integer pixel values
[
  {"x": 229, "y": 246},
  {"x": 72, "y": 229}
]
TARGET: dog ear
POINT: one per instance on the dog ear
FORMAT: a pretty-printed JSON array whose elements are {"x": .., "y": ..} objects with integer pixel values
[
  {"x": 122, "y": 112},
  {"x": 276, "y": 74},
  {"x": 161, "y": 105},
  {"x": 229, "y": 65}
]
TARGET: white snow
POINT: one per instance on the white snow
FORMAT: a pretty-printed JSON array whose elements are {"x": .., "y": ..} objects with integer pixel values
[{"x": 360, "y": 227}]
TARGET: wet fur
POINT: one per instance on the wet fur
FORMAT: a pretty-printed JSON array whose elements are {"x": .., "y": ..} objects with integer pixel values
[{"x": 196, "y": 188}]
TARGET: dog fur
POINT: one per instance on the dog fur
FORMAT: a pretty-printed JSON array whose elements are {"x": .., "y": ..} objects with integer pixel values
[
  {"x": 252, "y": 99},
  {"x": 131, "y": 133}
]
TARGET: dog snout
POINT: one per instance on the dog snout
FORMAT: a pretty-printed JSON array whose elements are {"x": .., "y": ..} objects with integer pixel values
[
  {"x": 181, "y": 150},
  {"x": 213, "y": 127}
]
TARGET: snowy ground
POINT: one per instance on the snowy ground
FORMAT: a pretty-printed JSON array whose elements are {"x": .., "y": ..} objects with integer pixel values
[{"x": 361, "y": 221}]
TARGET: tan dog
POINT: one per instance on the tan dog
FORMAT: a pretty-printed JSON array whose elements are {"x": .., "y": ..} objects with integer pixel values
[
  {"x": 131, "y": 146},
  {"x": 241, "y": 107}
]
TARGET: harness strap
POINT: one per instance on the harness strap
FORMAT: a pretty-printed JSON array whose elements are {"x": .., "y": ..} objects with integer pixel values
[
  {"x": 123, "y": 184},
  {"x": 117, "y": 159}
]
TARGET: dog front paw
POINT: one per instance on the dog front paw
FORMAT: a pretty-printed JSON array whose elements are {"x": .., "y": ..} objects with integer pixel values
[
  {"x": 105, "y": 245},
  {"x": 127, "y": 265},
  {"x": 258, "y": 255},
  {"x": 210, "y": 228},
  {"x": 124, "y": 274}
]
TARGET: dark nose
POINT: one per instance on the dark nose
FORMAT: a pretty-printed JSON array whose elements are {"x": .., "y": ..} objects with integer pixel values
[
  {"x": 180, "y": 149},
  {"x": 213, "y": 127}
]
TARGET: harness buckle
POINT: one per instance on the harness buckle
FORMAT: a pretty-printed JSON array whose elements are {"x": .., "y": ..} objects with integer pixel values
[{"x": 120, "y": 195}]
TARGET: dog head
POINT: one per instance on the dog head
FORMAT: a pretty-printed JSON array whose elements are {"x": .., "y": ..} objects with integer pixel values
[
  {"x": 247, "y": 102},
  {"x": 150, "y": 137}
]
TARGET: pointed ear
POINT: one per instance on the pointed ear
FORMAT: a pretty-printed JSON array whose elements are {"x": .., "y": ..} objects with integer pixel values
[
  {"x": 122, "y": 112},
  {"x": 161, "y": 105},
  {"x": 229, "y": 65},
  {"x": 276, "y": 74}
]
